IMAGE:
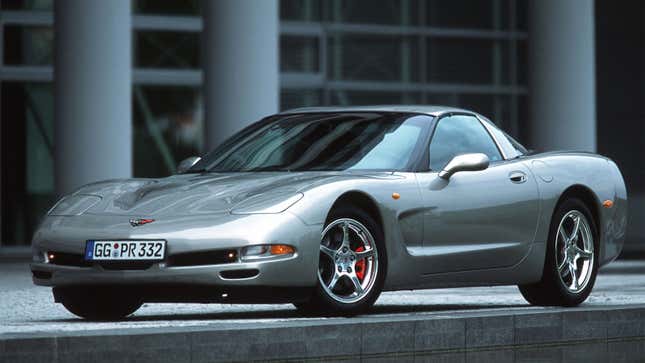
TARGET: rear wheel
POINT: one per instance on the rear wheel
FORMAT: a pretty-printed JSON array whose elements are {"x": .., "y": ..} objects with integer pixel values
[
  {"x": 351, "y": 267},
  {"x": 571, "y": 264},
  {"x": 93, "y": 303}
]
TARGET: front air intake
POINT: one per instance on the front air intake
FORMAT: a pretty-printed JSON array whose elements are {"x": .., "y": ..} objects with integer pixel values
[
  {"x": 215, "y": 257},
  {"x": 239, "y": 274}
]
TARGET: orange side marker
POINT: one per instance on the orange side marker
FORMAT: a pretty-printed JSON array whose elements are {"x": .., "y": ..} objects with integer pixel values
[
  {"x": 282, "y": 250},
  {"x": 608, "y": 203},
  {"x": 396, "y": 196}
]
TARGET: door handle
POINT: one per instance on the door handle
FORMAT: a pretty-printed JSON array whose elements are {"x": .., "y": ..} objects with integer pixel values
[{"x": 517, "y": 177}]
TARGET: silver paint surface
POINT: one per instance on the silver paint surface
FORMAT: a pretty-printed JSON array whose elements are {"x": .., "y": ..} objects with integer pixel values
[{"x": 478, "y": 228}]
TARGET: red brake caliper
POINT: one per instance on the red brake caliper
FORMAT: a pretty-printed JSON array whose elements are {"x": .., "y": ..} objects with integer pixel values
[{"x": 360, "y": 265}]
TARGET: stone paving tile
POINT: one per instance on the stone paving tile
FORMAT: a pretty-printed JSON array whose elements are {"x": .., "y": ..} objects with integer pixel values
[{"x": 400, "y": 324}]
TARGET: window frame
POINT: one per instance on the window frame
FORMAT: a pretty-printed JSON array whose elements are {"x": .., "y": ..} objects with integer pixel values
[
  {"x": 515, "y": 149},
  {"x": 425, "y": 166}
]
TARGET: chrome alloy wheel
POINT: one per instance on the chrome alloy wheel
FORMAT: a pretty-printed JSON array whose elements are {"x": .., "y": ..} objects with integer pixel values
[
  {"x": 574, "y": 251},
  {"x": 348, "y": 260}
]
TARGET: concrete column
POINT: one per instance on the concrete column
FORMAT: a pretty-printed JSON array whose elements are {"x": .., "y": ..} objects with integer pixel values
[
  {"x": 562, "y": 74},
  {"x": 241, "y": 69},
  {"x": 93, "y": 92}
]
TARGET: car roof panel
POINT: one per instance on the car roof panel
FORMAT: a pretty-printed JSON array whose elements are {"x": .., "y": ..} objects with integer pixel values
[{"x": 432, "y": 110}]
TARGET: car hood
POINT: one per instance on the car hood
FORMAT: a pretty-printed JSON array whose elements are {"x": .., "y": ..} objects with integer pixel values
[{"x": 208, "y": 193}]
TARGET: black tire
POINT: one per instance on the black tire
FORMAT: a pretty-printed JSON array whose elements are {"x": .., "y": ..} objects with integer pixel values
[
  {"x": 321, "y": 303},
  {"x": 98, "y": 304},
  {"x": 551, "y": 290}
]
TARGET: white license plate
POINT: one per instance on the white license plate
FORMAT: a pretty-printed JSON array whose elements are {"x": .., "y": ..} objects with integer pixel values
[{"x": 125, "y": 250}]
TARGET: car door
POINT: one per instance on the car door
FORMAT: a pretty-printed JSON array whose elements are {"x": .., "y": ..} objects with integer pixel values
[{"x": 475, "y": 219}]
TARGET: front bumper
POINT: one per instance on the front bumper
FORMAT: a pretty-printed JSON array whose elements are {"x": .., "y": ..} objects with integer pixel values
[
  {"x": 183, "y": 235},
  {"x": 187, "y": 284}
]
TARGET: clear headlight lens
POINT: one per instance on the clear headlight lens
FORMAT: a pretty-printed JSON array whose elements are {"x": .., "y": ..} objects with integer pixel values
[
  {"x": 74, "y": 205},
  {"x": 259, "y": 252}
]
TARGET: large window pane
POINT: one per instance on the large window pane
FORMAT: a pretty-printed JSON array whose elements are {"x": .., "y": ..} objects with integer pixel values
[
  {"x": 372, "y": 57},
  {"x": 469, "y": 61},
  {"x": 27, "y": 152},
  {"x": 159, "y": 49},
  {"x": 167, "y": 128},
  {"x": 28, "y": 45},
  {"x": 299, "y": 54}
]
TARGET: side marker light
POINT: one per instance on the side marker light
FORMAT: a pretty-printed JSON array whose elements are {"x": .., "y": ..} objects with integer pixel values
[{"x": 281, "y": 250}]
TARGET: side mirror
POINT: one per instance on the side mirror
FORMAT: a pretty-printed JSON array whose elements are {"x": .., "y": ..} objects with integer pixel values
[
  {"x": 464, "y": 162},
  {"x": 187, "y": 164}
]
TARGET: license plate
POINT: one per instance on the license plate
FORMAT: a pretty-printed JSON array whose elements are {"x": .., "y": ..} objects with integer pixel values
[{"x": 125, "y": 250}]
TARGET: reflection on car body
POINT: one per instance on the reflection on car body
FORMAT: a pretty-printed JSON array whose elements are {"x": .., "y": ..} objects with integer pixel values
[{"x": 327, "y": 207}]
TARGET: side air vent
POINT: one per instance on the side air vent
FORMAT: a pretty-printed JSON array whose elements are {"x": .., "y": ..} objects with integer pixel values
[{"x": 239, "y": 274}]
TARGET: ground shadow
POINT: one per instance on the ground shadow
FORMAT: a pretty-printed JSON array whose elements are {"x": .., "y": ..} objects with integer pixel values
[{"x": 288, "y": 312}]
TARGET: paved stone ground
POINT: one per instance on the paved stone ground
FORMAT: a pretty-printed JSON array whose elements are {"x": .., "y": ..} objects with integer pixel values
[{"x": 25, "y": 308}]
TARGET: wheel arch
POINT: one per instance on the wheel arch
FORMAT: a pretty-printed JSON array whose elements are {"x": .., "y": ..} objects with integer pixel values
[
  {"x": 361, "y": 200},
  {"x": 367, "y": 204},
  {"x": 589, "y": 198}
]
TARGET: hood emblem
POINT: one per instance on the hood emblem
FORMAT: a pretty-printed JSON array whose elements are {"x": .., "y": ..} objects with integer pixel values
[{"x": 140, "y": 222}]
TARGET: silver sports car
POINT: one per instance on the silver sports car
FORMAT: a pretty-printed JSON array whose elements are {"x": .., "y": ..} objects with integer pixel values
[{"x": 327, "y": 207}]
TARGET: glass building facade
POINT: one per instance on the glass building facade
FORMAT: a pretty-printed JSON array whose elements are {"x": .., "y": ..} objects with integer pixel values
[
  {"x": 465, "y": 53},
  {"x": 331, "y": 53}
]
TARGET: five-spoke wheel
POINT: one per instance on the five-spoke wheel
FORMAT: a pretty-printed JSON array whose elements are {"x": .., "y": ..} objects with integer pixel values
[
  {"x": 351, "y": 265},
  {"x": 574, "y": 251},
  {"x": 348, "y": 260},
  {"x": 570, "y": 265}
]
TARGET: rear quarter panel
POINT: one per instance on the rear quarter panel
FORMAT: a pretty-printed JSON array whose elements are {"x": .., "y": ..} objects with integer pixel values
[{"x": 558, "y": 172}]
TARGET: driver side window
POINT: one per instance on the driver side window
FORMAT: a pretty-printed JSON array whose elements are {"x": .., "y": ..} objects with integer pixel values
[{"x": 459, "y": 134}]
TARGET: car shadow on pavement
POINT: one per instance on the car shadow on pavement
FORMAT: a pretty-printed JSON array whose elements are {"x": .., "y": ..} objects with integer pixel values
[
  {"x": 291, "y": 313},
  {"x": 238, "y": 312}
]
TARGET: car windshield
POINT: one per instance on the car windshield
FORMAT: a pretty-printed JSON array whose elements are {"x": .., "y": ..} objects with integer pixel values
[{"x": 321, "y": 141}]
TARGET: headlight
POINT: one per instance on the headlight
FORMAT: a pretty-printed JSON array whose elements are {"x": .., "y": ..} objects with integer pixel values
[
  {"x": 261, "y": 252},
  {"x": 74, "y": 205},
  {"x": 268, "y": 203}
]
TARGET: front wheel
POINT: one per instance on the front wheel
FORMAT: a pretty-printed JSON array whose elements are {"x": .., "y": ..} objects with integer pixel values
[
  {"x": 352, "y": 264},
  {"x": 571, "y": 264},
  {"x": 94, "y": 303}
]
